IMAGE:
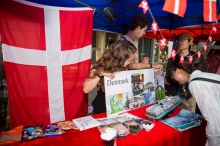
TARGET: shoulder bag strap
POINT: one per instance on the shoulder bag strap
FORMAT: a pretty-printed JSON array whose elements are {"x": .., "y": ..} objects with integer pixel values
[
  {"x": 124, "y": 38},
  {"x": 207, "y": 80},
  {"x": 128, "y": 41}
]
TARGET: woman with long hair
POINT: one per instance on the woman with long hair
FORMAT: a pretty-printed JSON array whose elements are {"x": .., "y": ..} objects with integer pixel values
[{"x": 117, "y": 58}]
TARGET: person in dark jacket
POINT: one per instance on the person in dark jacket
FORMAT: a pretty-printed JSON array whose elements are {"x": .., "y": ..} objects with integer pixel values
[{"x": 184, "y": 42}]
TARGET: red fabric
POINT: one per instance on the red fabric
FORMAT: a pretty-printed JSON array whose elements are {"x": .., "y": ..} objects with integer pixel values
[
  {"x": 75, "y": 101},
  {"x": 199, "y": 33},
  {"x": 177, "y": 7},
  {"x": 160, "y": 135},
  {"x": 213, "y": 62},
  {"x": 23, "y": 27},
  {"x": 209, "y": 10}
]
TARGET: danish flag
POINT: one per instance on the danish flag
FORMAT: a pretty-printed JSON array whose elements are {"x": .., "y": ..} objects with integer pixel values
[
  {"x": 177, "y": 7},
  {"x": 47, "y": 56},
  {"x": 209, "y": 10}
]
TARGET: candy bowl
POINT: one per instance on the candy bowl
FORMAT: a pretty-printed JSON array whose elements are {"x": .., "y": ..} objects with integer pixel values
[
  {"x": 122, "y": 135},
  {"x": 147, "y": 125},
  {"x": 134, "y": 129}
]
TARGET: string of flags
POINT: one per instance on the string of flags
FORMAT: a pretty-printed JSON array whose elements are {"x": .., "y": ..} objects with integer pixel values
[{"x": 145, "y": 6}]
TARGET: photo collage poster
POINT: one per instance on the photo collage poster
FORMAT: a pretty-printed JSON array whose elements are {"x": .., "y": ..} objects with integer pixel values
[{"x": 131, "y": 89}]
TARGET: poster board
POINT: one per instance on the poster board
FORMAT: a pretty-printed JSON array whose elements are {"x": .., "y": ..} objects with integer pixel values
[{"x": 131, "y": 89}]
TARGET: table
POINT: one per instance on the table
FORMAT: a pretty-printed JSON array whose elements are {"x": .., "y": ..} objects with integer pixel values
[{"x": 160, "y": 135}]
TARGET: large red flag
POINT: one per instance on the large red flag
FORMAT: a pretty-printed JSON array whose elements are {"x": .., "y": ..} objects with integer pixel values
[
  {"x": 47, "y": 56},
  {"x": 177, "y": 7},
  {"x": 209, "y": 10}
]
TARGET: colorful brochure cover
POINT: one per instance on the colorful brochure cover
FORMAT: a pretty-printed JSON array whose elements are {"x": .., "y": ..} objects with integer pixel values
[{"x": 184, "y": 120}]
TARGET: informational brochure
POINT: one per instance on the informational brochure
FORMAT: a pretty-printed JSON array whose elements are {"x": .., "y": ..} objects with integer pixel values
[
  {"x": 184, "y": 120},
  {"x": 87, "y": 122}
]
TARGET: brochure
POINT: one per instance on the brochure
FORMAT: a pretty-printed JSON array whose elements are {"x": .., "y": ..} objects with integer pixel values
[
  {"x": 86, "y": 122},
  {"x": 184, "y": 120}
]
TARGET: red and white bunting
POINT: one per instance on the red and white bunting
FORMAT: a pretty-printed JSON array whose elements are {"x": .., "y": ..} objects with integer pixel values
[{"x": 144, "y": 6}]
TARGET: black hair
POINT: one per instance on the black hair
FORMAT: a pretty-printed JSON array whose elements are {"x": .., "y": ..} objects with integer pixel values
[
  {"x": 138, "y": 20},
  {"x": 185, "y": 65}
]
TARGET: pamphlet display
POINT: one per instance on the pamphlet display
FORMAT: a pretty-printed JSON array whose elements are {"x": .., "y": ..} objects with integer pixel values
[
  {"x": 184, "y": 120},
  {"x": 132, "y": 89},
  {"x": 162, "y": 107},
  {"x": 86, "y": 122}
]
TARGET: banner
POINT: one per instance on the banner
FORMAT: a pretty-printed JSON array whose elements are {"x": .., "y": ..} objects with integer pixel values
[
  {"x": 177, "y": 7},
  {"x": 133, "y": 89},
  {"x": 209, "y": 10},
  {"x": 47, "y": 56}
]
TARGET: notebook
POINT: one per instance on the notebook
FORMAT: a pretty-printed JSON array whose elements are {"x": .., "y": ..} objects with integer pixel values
[{"x": 87, "y": 122}]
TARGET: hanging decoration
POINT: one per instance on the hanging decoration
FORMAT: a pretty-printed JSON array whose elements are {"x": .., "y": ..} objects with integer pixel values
[
  {"x": 154, "y": 26},
  {"x": 205, "y": 47},
  {"x": 214, "y": 29},
  {"x": 173, "y": 54},
  {"x": 144, "y": 5},
  {"x": 181, "y": 59},
  {"x": 199, "y": 54},
  {"x": 210, "y": 38},
  {"x": 163, "y": 42},
  {"x": 190, "y": 59}
]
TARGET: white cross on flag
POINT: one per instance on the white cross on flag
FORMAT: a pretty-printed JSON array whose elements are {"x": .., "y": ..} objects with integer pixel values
[{"x": 47, "y": 56}]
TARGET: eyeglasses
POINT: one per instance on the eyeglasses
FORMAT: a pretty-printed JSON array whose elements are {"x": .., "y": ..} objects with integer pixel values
[{"x": 182, "y": 39}]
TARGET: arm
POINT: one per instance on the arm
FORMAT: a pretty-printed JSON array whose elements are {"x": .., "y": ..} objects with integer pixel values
[
  {"x": 143, "y": 66},
  {"x": 203, "y": 62},
  {"x": 90, "y": 83}
]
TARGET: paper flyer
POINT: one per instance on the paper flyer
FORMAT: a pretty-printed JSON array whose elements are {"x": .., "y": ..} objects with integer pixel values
[{"x": 184, "y": 120}]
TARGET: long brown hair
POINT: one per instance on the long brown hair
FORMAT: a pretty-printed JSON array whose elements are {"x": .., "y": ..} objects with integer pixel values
[{"x": 113, "y": 59}]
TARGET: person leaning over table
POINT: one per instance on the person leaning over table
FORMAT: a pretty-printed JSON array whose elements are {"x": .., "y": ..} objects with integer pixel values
[
  {"x": 119, "y": 57},
  {"x": 137, "y": 28},
  {"x": 184, "y": 42},
  {"x": 206, "y": 93}
]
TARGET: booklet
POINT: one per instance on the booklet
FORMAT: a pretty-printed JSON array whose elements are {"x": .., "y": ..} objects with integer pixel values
[
  {"x": 184, "y": 120},
  {"x": 86, "y": 122}
]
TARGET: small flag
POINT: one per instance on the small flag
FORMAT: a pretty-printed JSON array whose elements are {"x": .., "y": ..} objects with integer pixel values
[
  {"x": 209, "y": 10},
  {"x": 177, "y": 7}
]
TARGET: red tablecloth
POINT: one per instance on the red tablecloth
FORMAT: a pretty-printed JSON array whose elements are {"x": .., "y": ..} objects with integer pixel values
[{"x": 160, "y": 135}]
